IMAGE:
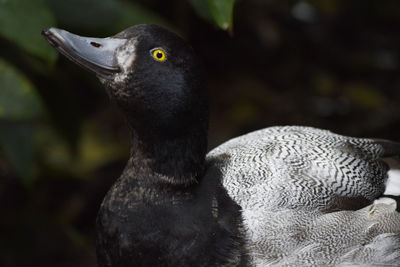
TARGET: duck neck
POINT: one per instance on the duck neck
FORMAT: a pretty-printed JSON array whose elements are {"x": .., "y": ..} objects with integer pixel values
[{"x": 174, "y": 155}]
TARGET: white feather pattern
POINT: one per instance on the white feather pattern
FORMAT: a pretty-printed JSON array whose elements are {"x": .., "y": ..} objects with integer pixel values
[{"x": 292, "y": 183}]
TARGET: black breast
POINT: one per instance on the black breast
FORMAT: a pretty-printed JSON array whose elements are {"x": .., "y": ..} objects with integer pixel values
[{"x": 154, "y": 224}]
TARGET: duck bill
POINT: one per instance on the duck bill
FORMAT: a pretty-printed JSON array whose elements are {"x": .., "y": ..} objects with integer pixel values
[{"x": 94, "y": 54}]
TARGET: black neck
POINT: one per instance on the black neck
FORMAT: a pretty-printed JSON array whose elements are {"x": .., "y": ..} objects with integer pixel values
[{"x": 175, "y": 155}]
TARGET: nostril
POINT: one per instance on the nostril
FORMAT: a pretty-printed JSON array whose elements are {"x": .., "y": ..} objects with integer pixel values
[{"x": 95, "y": 44}]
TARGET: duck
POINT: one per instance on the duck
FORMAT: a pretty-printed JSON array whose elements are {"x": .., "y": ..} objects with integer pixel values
[{"x": 279, "y": 196}]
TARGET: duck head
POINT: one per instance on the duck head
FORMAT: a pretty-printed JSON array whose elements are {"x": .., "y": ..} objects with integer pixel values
[{"x": 154, "y": 77}]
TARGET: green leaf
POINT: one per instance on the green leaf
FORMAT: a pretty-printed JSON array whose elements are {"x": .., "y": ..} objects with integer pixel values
[
  {"x": 222, "y": 12},
  {"x": 18, "y": 98},
  {"x": 85, "y": 15},
  {"x": 21, "y": 21},
  {"x": 16, "y": 142},
  {"x": 102, "y": 17},
  {"x": 131, "y": 14},
  {"x": 202, "y": 9}
]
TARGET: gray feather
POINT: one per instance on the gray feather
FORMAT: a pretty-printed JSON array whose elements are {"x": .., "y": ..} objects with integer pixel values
[{"x": 295, "y": 186}]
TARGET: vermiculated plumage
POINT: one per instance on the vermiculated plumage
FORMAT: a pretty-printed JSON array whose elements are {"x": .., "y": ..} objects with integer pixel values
[{"x": 298, "y": 188}]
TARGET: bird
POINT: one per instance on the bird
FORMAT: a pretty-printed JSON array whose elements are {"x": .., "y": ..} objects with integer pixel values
[{"x": 279, "y": 196}]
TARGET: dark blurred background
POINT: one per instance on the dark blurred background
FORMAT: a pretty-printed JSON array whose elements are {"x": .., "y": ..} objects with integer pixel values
[{"x": 331, "y": 64}]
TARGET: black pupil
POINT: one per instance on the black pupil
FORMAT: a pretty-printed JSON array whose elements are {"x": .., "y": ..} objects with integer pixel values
[{"x": 159, "y": 54}]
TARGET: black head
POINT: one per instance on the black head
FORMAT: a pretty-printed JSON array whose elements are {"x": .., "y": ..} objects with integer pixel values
[
  {"x": 155, "y": 78},
  {"x": 161, "y": 79}
]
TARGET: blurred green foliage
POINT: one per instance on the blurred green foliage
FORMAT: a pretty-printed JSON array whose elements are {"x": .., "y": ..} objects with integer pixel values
[
  {"x": 20, "y": 21},
  {"x": 331, "y": 64},
  {"x": 19, "y": 104},
  {"x": 222, "y": 11},
  {"x": 108, "y": 17},
  {"x": 18, "y": 96}
]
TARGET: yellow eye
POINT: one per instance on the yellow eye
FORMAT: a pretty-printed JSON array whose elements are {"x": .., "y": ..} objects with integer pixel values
[{"x": 159, "y": 54}]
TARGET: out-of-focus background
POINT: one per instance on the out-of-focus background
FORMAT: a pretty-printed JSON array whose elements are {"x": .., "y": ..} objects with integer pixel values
[{"x": 332, "y": 64}]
